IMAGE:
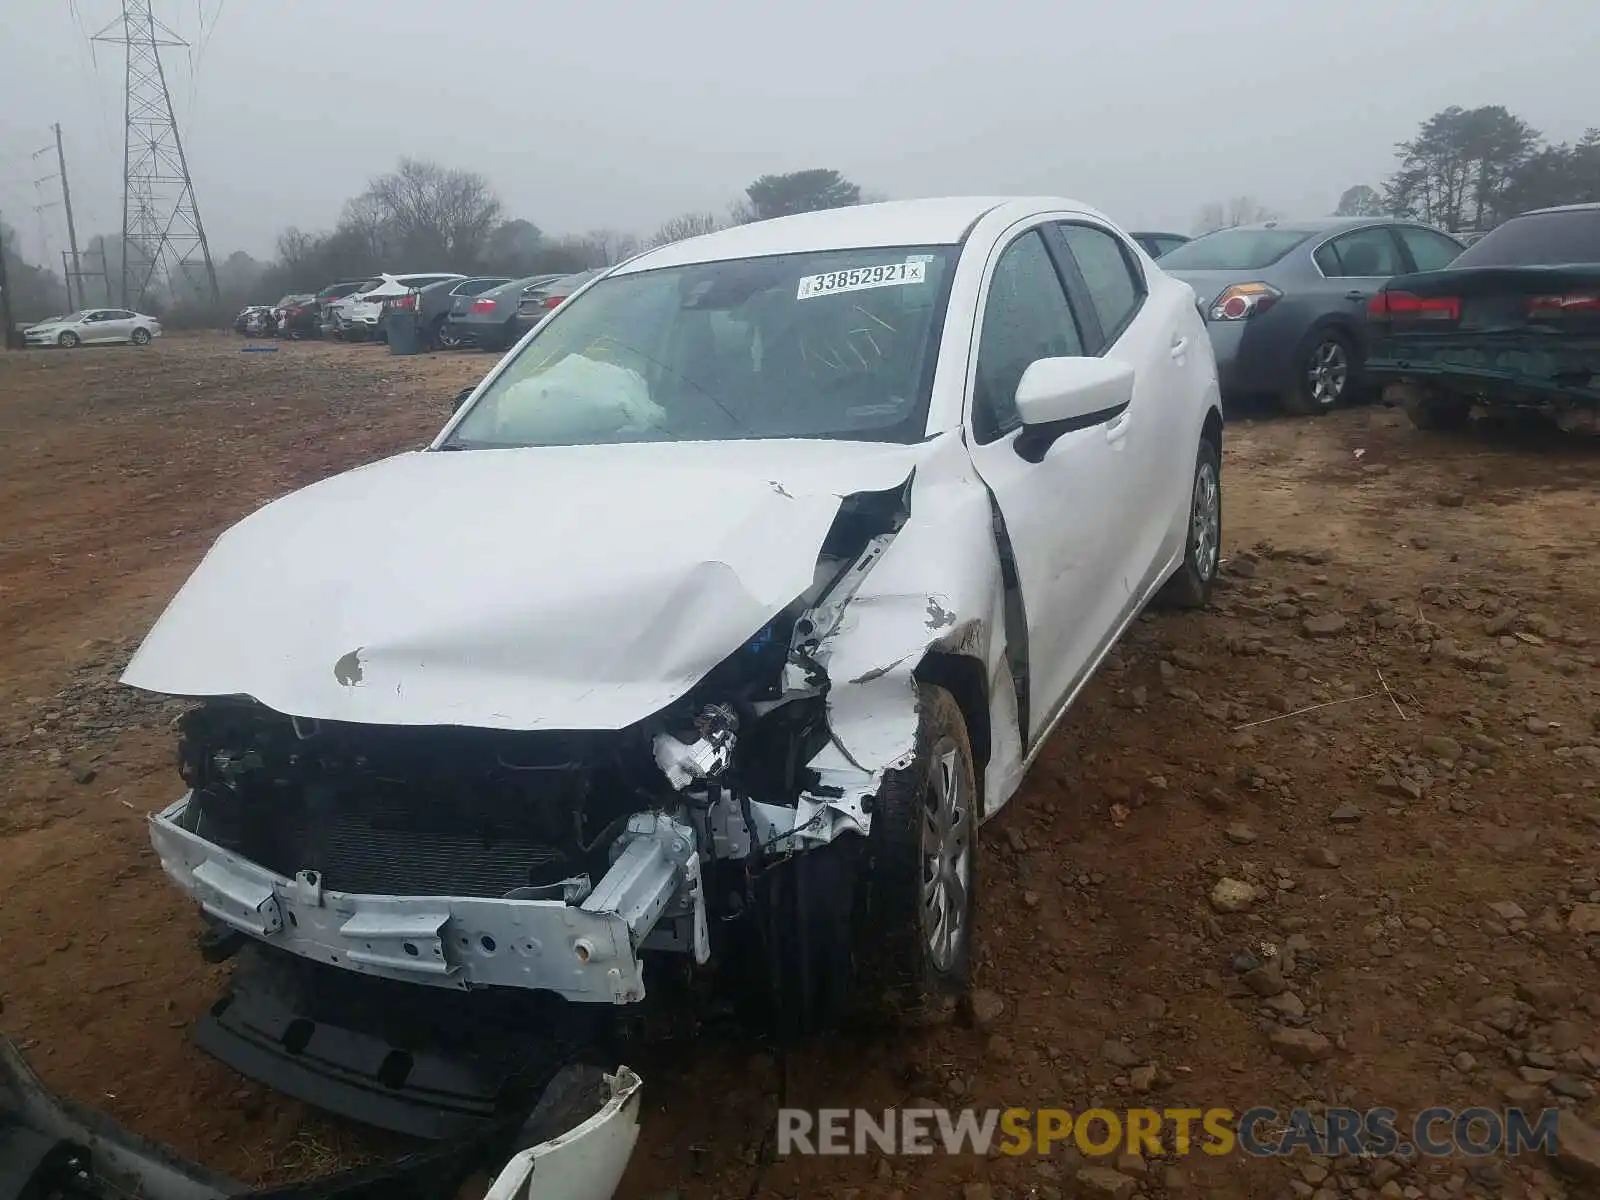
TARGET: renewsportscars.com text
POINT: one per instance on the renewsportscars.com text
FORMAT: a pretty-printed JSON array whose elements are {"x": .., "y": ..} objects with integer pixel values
[{"x": 1262, "y": 1132}]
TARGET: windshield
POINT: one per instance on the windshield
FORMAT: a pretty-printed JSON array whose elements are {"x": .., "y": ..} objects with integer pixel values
[
  {"x": 1233, "y": 250},
  {"x": 834, "y": 344},
  {"x": 1539, "y": 240}
]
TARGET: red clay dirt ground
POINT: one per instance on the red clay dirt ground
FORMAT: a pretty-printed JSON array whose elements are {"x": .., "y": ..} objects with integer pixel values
[{"x": 1423, "y": 847}]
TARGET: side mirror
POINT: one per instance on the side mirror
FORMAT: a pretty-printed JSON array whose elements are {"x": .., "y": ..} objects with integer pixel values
[
  {"x": 462, "y": 397},
  {"x": 1059, "y": 395}
]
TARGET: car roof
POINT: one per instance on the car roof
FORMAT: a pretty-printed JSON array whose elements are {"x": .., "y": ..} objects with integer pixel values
[
  {"x": 935, "y": 222},
  {"x": 1319, "y": 224},
  {"x": 1588, "y": 206}
]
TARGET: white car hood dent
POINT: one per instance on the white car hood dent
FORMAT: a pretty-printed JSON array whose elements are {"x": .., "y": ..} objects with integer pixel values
[{"x": 571, "y": 587}]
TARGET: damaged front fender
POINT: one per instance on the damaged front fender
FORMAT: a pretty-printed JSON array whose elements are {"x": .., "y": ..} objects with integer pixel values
[{"x": 934, "y": 588}]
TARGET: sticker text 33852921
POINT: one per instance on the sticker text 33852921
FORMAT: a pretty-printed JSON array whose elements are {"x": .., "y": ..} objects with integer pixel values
[{"x": 858, "y": 279}]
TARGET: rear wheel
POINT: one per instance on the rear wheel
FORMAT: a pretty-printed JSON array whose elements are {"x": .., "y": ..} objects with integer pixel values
[
  {"x": 1325, "y": 369},
  {"x": 140, "y": 337},
  {"x": 67, "y": 340},
  {"x": 443, "y": 337},
  {"x": 1191, "y": 586},
  {"x": 914, "y": 938}
]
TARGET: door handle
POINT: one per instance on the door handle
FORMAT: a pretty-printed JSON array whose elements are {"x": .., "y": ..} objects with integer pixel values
[
  {"x": 1180, "y": 347},
  {"x": 1355, "y": 295},
  {"x": 1117, "y": 427}
]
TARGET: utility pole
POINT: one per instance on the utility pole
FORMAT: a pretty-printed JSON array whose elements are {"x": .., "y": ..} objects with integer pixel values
[
  {"x": 72, "y": 230},
  {"x": 5, "y": 296},
  {"x": 161, "y": 227}
]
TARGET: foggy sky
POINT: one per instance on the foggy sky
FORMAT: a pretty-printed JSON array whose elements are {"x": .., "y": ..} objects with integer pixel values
[{"x": 592, "y": 113}]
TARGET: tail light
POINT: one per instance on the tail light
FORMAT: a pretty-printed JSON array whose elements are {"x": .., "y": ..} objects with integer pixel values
[
  {"x": 402, "y": 301},
  {"x": 482, "y": 306},
  {"x": 1242, "y": 301},
  {"x": 554, "y": 301},
  {"x": 1555, "y": 306},
  {"x": 1405, "y": 306}
]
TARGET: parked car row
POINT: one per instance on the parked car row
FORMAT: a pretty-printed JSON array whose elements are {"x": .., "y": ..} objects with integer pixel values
[
  {"x": 1311, "y": 312},
  {"x": 449, "y": 310}
]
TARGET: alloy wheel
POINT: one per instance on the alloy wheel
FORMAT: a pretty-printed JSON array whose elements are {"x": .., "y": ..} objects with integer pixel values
[
  {"x": 946, "y": 856},
  {"x": 1205, "y": 521},
  {"x": 1328, "y": 373}
]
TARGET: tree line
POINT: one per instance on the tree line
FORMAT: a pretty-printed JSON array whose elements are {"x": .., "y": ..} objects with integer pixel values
[
  {"x": 422, "y": 216},
  {"x": 1471, "y": 168},
  {"x": 426, "y": 217},
  {"x": 1466, "y": 169}
]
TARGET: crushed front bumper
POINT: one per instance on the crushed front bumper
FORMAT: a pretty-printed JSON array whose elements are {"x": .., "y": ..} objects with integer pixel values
[
  {"x": 578, "y": 1140},
  {"x": 582, "y": 946}
]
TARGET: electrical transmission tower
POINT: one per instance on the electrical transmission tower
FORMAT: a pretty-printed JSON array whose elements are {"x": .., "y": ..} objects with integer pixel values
[{"x": 161, "y": 229}]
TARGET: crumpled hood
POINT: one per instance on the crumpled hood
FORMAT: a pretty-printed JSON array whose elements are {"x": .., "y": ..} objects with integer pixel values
[{"x": 566, "y": 587}]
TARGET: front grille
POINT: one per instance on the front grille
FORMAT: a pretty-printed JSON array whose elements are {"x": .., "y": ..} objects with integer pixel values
[{"x": 386, "y": 850}]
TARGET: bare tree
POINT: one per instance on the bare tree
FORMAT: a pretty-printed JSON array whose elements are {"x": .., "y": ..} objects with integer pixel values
[
  {"x": 366, "y": 224},
  {"x": 434, "y": 210},
  {"x": 611, "y": 246},
  {"x": 295, "y": 246},
  {"x": 685, "y": 225}
]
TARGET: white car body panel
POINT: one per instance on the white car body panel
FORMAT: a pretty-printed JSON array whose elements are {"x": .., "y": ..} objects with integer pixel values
[
  {"x": 586, "y": 1162},
  {"x": 439, "y": 603}
]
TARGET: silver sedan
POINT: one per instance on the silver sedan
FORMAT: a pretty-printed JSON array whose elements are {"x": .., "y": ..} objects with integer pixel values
[
  {"x": 1285, "y": 302},
  {"x": 93, "y": 325}
]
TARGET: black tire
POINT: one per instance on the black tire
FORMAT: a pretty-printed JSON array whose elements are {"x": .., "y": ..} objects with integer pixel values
[
  {"x": 440, "y": 337},
  {"x": 1323, "y": 355},
  {"x": 904, "y": 967},
  {"x": 1190, "y": 586},
  {"x": 67, "y": 340},
  {"x": 140, "y": 337},
  {"x": 1437, "y": 412}
]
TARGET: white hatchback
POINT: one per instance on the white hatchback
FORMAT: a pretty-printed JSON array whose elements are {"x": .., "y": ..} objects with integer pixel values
[
  {"x": 92, "y": 325},
  {"x": 721, "y": 613}
]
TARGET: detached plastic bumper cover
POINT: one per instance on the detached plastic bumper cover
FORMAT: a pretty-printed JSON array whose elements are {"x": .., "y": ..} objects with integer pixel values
[
  {"x": 445, "y": 941},
  {"x": 50, "y": 1147}
]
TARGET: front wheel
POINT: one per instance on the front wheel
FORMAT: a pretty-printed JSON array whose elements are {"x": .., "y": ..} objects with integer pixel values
[
  {"x": 67, "y": 340},
  {"x": 1190, "y": 586},
  {"x": 1324, "y": 373},
  {"x": 140, "y": 337},
  {"x": 914, "y": 938}
]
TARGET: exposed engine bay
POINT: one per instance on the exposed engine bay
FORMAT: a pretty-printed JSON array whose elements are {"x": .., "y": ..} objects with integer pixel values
[{"x": 463, "y": 856}]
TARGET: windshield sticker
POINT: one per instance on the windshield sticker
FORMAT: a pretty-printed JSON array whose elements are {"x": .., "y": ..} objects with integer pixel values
[{"x": 859, "y": 279}]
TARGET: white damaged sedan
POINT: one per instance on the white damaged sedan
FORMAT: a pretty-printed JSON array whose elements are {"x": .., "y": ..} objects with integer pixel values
[{"x": 712, "y": 624}]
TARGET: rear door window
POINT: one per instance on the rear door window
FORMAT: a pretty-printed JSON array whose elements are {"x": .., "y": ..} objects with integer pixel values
[
  {"x": 1430, "y": 250},
  {"x": 1363, "y": 254}
]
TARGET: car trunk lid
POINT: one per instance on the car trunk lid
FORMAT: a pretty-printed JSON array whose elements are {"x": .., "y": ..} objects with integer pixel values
[{"x": 1535, "y": 300}]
